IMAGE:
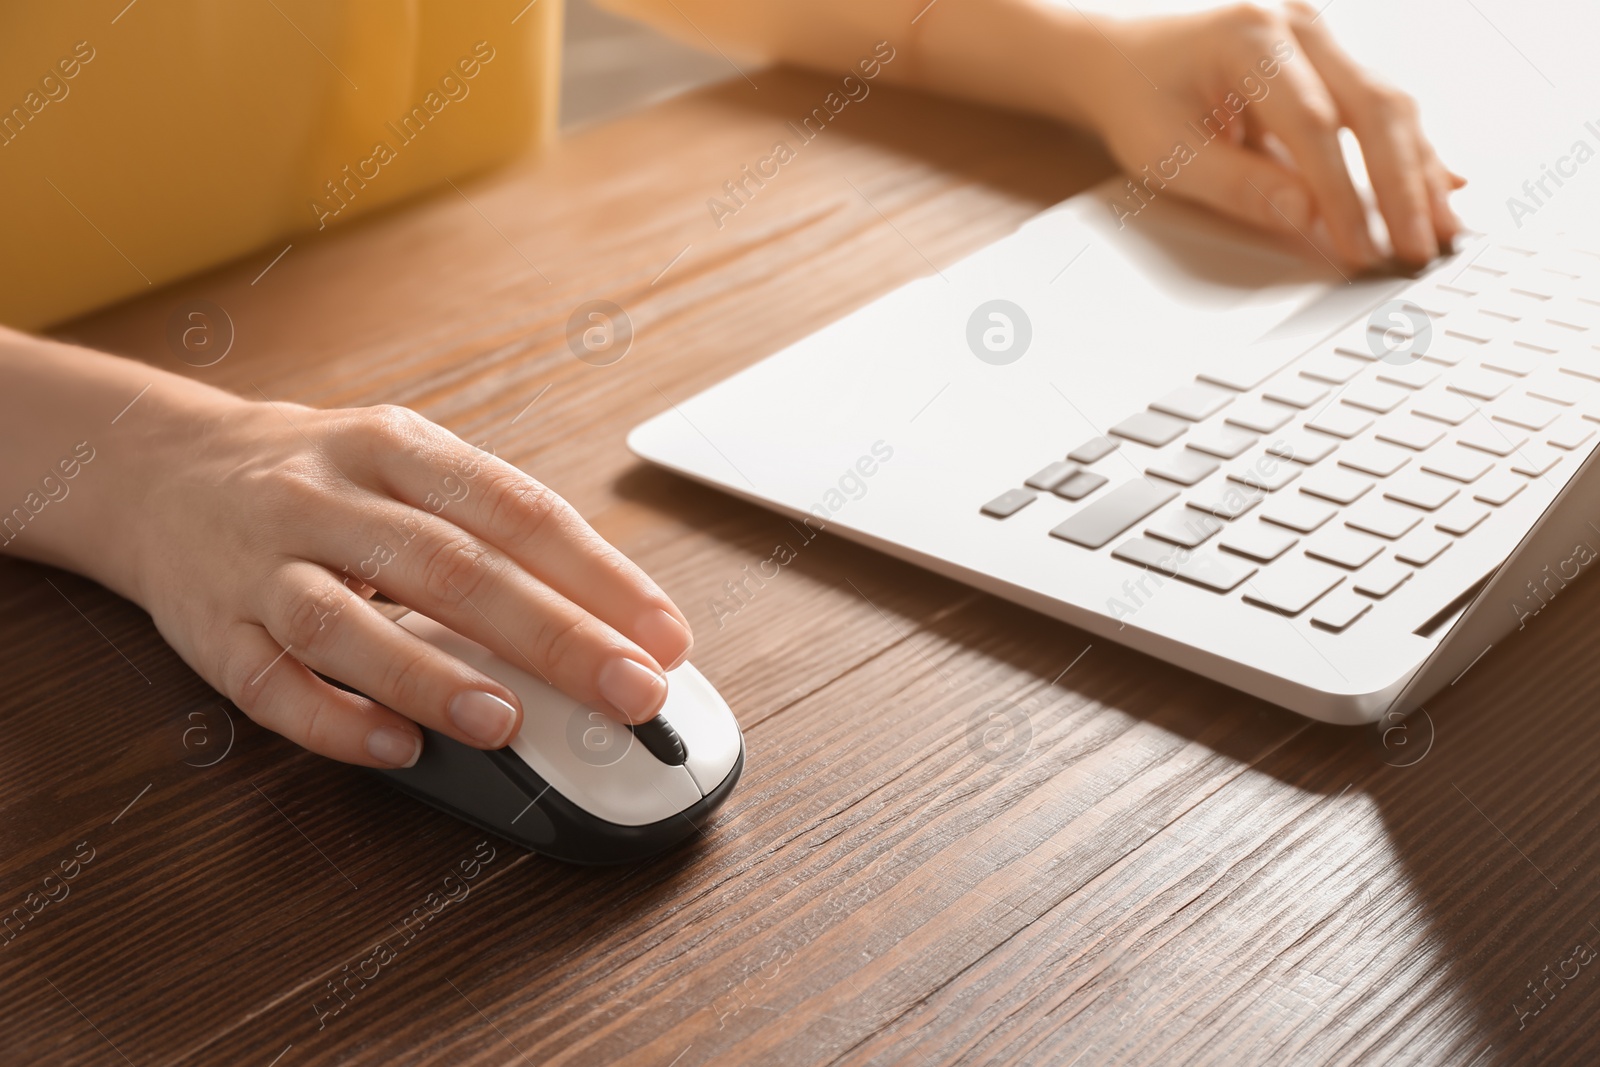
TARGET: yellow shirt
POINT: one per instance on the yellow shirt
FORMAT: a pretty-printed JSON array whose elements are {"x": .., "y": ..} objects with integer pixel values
[{"x": 141, "y": 142}]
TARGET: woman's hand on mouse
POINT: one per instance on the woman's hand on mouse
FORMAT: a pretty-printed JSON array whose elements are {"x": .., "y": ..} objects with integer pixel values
[{"x": 255, "y": 534}]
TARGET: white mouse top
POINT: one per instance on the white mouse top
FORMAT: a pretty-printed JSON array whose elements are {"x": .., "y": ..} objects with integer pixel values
[{"x": 596, "y": 762}]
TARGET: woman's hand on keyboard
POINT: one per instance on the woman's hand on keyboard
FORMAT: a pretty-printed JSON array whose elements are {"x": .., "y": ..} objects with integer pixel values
[{"x": 1240, "y": 109}]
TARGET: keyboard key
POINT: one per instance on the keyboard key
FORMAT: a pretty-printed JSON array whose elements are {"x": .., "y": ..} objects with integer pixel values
[
  {"x": 1374, "y": 395},
  {"x": 1381, "y": 578},
  {"x": 1580, "y": 363},
  {"x": 1373, "y": 457},
  {"x": 1303, "y": 446},
  {"x": 1421, "y": 490},
  {"x": 1051, "y": 476},
  {"x": 1097, "y": 524},
  {"x": 1478, "y": 383},
  {"x": 1093, "y": 450},
  {"x": 1344, "y": 546},
  {"x": 1297, "y": 512},
  {"x": 1009, "y": 503},
  {"x": 1524, "y": 411},
  {"x": 1184, "y": 526},
  {"x": 1460, "y": 464},
  {"x": 1340, "y": 420},
  {"x": 1195, "y": 402},
  {"x": 1331, "y": 367},
  {"x": 1185, "y": 466},
  {"x": 1421, "y": 547},
  {"x": 1495, "y": 439},
  {"x": 1246, "y": 368},
  {"x": 1339, "y": 486},
  {"x": 1222, "y": 440},
  {"x": 1512, "y": 359},
  {"x": 1499, "y": 488},
  {"x": 1361, "y": 351},
  {"x": 1258, "y": 541},
  {"x": 1383, "y": 518},
  {"x": 1339, "y": 609},
  {"x": 1260, "y": 416},
  {"x": 1410, "y": 432},
  {"x": 1570, "y": 433},
  {"x": 1150, "y": 428},
  {"x": 1559, "y": 388},
  {"x": 1535, "y": 461},
  {"x": 1298, "y": 391},
  {"x": 1267, "y": 472},
  {"x": 1415, "y": 375},
  {"x": 1451, "y": 351},
  {"x": 1079, "y": 484},
  {"x": 1292, "y": 585},
  {"x": 1227, "y": 500},
  {"x": 1450, "y": 408},
  {"x": 1460, "y": 517},
  {"x": 1202, "y": 567}
]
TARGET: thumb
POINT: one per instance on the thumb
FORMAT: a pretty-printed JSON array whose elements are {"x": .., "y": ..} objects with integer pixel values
[{"x": 1249, "y": 186}]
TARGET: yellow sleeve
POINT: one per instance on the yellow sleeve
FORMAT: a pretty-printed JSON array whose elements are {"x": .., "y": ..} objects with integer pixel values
[
  {"x": 826, "y": 34},
  {"x": 140, "y": 143}
]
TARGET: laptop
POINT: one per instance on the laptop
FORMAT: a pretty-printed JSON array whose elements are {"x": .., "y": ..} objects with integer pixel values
[{"x": 1333, "y": 494}]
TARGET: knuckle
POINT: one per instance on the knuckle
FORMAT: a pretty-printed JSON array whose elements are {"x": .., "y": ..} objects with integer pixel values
[
  {"x": 1321, "y": 117},
  {"x": 1390, "y": 105},
  {"x": 318, "y": 730},
  {"x": 239, "y": 671},
  {"x": 455, "y": 567},
  {"x": 1250, "y": 16},
  {"x": 306, "y": 621},
  {"x": 393, "y": 425},
  {"x": 558, "y": 638},
  {"x": 405, "y": 681},
  {"x": 524, "y": 507}
]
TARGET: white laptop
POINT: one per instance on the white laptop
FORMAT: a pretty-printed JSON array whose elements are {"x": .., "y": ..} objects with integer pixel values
[{"x": 1180, "y": 437}]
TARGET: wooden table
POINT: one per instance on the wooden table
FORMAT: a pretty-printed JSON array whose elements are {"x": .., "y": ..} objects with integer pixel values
[{"x": 1128, "y": 865}]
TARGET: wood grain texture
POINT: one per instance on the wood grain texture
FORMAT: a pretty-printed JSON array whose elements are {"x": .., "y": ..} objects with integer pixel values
[{"x": 1145, "y": 867}]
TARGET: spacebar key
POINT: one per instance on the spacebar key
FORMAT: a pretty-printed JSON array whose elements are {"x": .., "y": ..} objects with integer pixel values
[{"x": 1097, "y": 524}]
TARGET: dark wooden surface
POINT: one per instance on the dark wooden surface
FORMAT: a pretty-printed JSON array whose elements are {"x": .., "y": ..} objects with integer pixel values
[{"x": 1149, "y": 868}]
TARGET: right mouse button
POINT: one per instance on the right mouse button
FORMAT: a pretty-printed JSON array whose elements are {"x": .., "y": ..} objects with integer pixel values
[{"x": 705, "y": 722}]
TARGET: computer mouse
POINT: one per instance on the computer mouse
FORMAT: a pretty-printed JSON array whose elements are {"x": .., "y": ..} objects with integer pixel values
[{"x": 575, "y": 784}]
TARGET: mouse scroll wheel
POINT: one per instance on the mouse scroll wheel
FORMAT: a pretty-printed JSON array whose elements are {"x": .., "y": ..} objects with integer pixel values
[{"x": 662, "y": 740}]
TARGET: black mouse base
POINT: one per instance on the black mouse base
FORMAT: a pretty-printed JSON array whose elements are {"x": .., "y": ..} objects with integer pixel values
[{"x": 506, "y": 797}]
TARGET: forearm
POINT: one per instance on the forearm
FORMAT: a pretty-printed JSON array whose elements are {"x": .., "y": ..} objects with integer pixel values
[
  {"x": 79, "y": 432},
  {"x": 1021, "y": 54}
]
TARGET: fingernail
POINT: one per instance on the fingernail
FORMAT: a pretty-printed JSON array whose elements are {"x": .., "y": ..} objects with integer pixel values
[
  {"x": 483, "y": 717},
  {"x": 394, "y": 747},
  {"x": 1292, "y": 204},
  {"x": 664, "y": 637},
  {"x": 632, "y": 688}
]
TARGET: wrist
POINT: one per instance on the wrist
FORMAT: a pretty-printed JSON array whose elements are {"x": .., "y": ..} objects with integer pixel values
[
  {"x": 89, "y": 438},
  {"x": 156, "y": 446},
  {"x": 1027, "y": 55}
]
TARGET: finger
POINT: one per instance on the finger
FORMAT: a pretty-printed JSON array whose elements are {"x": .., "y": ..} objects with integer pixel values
[
  {"x": 433, "y": 470},
  {"x": 279, "y": 692},
  {"x": 1302, "y": 115},
  {"x": 1249, "y": 186},
  {"x": 339, "y": 634},
  {"x": 1441, "y": 183},
  {"x": 441, "y": 570},
  {"x": 1385, "y": 122}
]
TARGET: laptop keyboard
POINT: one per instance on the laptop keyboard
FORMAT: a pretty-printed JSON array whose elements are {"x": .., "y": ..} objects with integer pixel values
[{"x": 1322, "y": 490}]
